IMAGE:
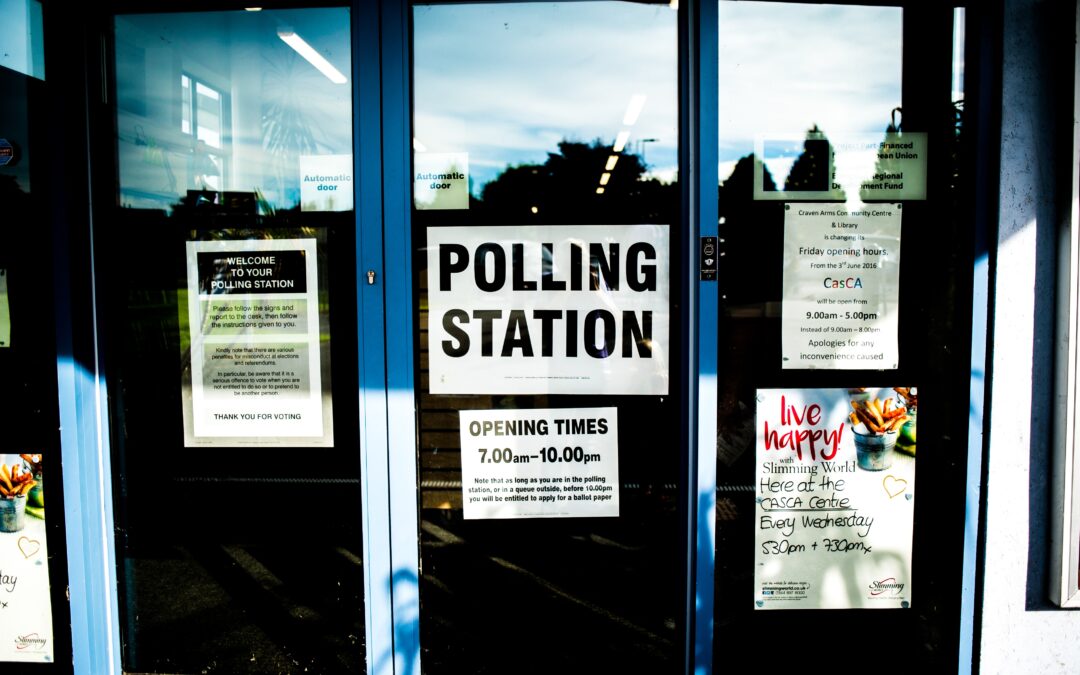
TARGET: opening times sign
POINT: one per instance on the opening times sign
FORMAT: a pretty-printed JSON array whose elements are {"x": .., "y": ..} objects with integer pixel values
[
  {"x": 256, "y": 353},
  {"x": 841, "y": 286},
  {"x": 835, "y": 498},
  {"x": 548, "y": 309},
  {"x": 542, "y": 463}
]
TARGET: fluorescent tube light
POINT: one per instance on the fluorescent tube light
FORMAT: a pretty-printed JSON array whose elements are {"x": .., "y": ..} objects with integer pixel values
[
  {"x": 604, "y": 178},
  {"x": 289, "y": 37},
  {"x": 620, "y": 140},
  {"x": 637, "y": 102},
  {"x": 611, "y": 161}
]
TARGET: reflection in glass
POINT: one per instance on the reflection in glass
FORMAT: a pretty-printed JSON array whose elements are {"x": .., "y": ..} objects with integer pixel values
[
  {"x": 22, "y": 42},
  {"x": 794, "y": 77},
  {"x": 582, "y": 93},
  {"x": 233, "y": 102}
]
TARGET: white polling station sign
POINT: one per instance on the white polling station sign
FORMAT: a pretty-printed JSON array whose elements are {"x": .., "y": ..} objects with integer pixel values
[{"x": 548, "y": 309}]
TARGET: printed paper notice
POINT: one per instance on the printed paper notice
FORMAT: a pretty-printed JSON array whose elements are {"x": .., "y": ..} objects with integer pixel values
[
  {"x": 256, "y": 373},
  {"x": 841, "y": 286},
  {"x": 548, "y": 309},
  {"x": 326, "y": 183},
  {"x": 841, "y": 166},
  {"x": 26, "y": 632},
  {"x": 551, "y": 463},
  {"x": 441, "y": 180},
  {"x": 835, "y": 488},
  {"x": 5, "y": 311}
]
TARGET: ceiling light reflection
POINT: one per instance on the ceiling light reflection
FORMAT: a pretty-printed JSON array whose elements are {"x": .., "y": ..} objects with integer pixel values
[
  {"x": 611, "y": 161},
  {"x": 637, "y": 102},
  {"x": 599, "y": 191},
  {"x": 620, "y": 140},
  {"x": 604, "y": 178},
  {"x": 289, "y": 37}
]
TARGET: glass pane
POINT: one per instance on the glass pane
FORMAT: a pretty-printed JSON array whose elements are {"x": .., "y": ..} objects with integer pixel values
[
  {"x": 546, "y": 215},
  {"x": 34, "y": 615},
  {"x": 272, "y": 101},
  {"x": 22, "y": 46},
  {"x": 232, "y": 293},
  {"x": 842, "y": 306}
]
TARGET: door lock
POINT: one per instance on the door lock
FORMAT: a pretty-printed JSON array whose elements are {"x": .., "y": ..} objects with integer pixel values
[{"x": 371, "y": 277}]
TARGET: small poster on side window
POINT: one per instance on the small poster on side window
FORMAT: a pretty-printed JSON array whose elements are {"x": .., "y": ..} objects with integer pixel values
[
  {"x": 26, "y": 633},
  {"x": 5, "y": 311}
]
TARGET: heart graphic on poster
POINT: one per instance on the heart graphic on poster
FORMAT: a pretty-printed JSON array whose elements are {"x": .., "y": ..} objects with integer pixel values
[
  {"x": 29, "y": 547},
  {"x": 894, "y": 486},
  {"x": 760, "y": 603}
]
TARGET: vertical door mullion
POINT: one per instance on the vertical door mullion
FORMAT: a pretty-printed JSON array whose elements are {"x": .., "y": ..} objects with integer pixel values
[
  {"x": 401, "y": 397},
  {"x": 703, "y": 148},
  {"x": 371, "y": 343},
  {"x": 81, "y": 382}
]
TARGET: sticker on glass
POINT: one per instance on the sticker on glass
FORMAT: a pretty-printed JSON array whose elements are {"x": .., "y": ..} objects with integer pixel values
[
  {"x": 326, "y": 183},
  {"x": 441, "y": 180}
]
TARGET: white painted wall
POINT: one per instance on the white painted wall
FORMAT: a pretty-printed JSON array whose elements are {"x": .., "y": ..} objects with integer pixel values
[{"x": 1022, "y": 631}]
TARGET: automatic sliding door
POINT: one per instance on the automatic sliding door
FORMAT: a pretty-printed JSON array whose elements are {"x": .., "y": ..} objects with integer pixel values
[
  {"x": 231, "y": 319},
  {"x": 546, "y": 220}
]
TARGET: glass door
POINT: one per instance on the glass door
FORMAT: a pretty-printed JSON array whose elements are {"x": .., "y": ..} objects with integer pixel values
[
  {"x": 546, "y": 229},
  {"x": 847, "y": 236},
  {"x": 228, "y": 263}
]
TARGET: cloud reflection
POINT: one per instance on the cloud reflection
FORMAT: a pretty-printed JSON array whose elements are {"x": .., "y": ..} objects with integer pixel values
[
  {"x": 506, "y": 83},
  {"x": 785, "y": 68}
]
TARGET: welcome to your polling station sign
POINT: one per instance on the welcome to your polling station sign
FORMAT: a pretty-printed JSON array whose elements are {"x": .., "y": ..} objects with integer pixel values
[
  {"x": 551, "y": 309},
  {"x": 259, "y": 372}
]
